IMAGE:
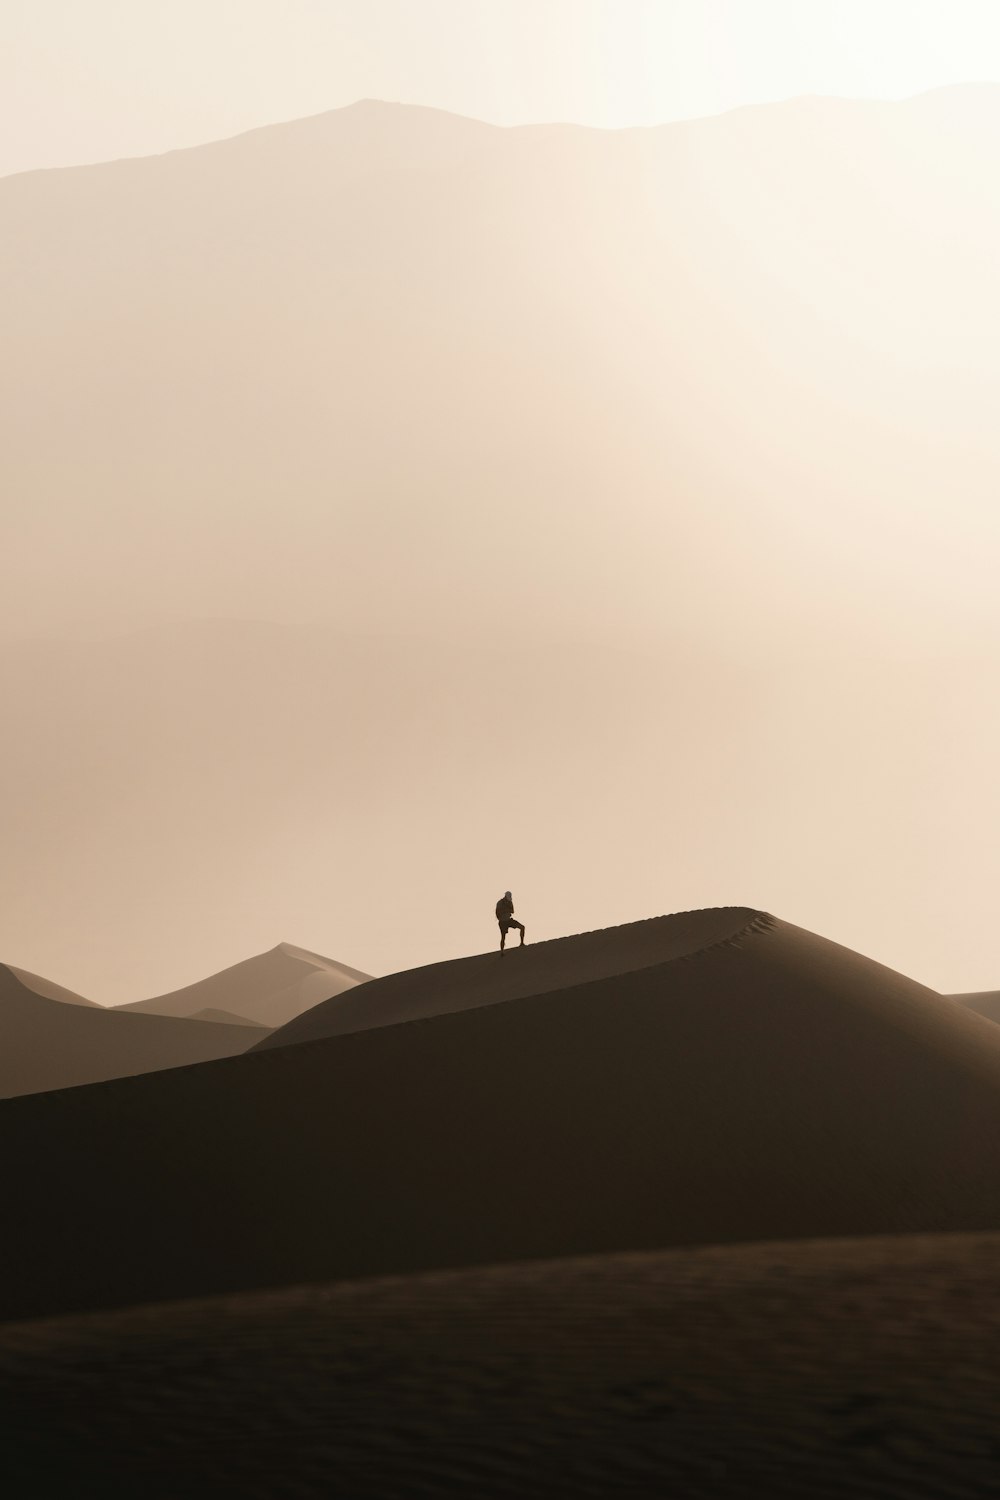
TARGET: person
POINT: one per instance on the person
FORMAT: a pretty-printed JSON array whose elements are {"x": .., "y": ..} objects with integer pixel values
[{"x": 507, "y": 920}]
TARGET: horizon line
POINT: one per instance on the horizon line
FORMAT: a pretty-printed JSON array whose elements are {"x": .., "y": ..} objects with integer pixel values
[{"x": 368, "y": 101}]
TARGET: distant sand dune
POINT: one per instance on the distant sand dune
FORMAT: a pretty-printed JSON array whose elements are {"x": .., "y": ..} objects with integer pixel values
[
  {"x": 225, "y": 1017},
  {"x": 769, "y": 1085},
  {"x": 50, "y": 990},
  {"x": 269, "y": 989},
  {"x": 46, "y": 1044},
  {"x": 853, "y": 1368},
  {"x": 983, "y": 1002}
]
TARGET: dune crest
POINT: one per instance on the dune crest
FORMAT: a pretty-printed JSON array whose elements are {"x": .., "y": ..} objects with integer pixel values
[
  {"x": 268, "y": 989},
  {"x": 48, "y": 988},
  {"x": 538, "y": 968}
]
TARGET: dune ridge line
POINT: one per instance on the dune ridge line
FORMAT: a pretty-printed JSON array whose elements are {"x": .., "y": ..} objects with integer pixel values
[{"x": 542, "y": 968}]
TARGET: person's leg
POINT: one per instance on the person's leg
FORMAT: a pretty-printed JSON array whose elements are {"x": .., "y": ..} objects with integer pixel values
[
  {"x": 503, "y": 936},
  {"x": 520, "y": 927}
]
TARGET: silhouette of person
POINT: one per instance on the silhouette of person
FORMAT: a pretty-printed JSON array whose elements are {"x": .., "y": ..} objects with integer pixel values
[{"x": 507, "y": 920}]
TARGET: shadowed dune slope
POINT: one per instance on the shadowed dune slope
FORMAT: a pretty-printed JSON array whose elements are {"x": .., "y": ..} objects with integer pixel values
[
  {"x": 269, "y": 988},
  {"x": 49, "y": 989},
  {"x": 798, "y": 1370},
  {"x": 984, "y": 1003},
  {"x": 773, "y": 1085},
  {"x": 488, "y": 978},
  {"x": 225, "y": 1017},
  {"x": 45, "y": 1044}
]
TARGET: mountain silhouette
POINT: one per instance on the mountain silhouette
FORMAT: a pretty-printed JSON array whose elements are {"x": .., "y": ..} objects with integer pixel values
[{"x": 556, "y": 324}]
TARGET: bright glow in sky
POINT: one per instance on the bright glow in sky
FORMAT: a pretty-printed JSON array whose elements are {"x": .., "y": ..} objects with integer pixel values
[{"x": 88, "y": 80}]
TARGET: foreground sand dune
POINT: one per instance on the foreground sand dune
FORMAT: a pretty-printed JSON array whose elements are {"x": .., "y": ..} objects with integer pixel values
[
  {"x": 48, "y": 1044},
  {"x": 983, "y": 1002},
  {"x": 861, "y": 1368},
  {"x": 269, "y": 988},
  {"x": 770, "y": 1086}
]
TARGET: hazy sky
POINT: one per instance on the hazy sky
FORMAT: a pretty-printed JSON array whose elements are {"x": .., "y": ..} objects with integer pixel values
[
  {"x": 321, "y": 419},
  {"x": 90, "y": 80}
]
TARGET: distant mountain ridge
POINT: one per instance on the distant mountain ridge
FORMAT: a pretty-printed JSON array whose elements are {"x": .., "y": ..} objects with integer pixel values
[{"x": 611, "y": 300}]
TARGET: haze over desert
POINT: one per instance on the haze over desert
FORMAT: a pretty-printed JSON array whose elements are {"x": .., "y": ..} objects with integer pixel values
[
  {"x": 451, "y": 505},
  {"x": 499, "y": 832}
]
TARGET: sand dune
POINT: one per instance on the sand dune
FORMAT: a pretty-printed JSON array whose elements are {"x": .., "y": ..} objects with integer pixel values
[
  {"x": 46, "y": 987},
  {"x": 769, "y": 1085},
  {"x": 268, "y": 989},
  {"x": 983, "y": 1002},
  {"x": 46, "y": 1044},
  {"x": 863, "y": 1368},
  {"x": 224, "y": 1017},
  {"x": 488, "y": 979}
]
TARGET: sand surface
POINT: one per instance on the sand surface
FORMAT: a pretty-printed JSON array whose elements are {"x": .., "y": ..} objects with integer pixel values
[
  {"x": 535, "y": 969},
  {"x": 269, "y": 988},
  {"x": 48, "y": 988},
  {"x": 774, "y": 1086},
  {"x": 861, "y": 1368},
  {"x": 226, "y": 1017},
  {"x": 984, "y": 1003},
  {"x": 47, "y": 1044}
]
